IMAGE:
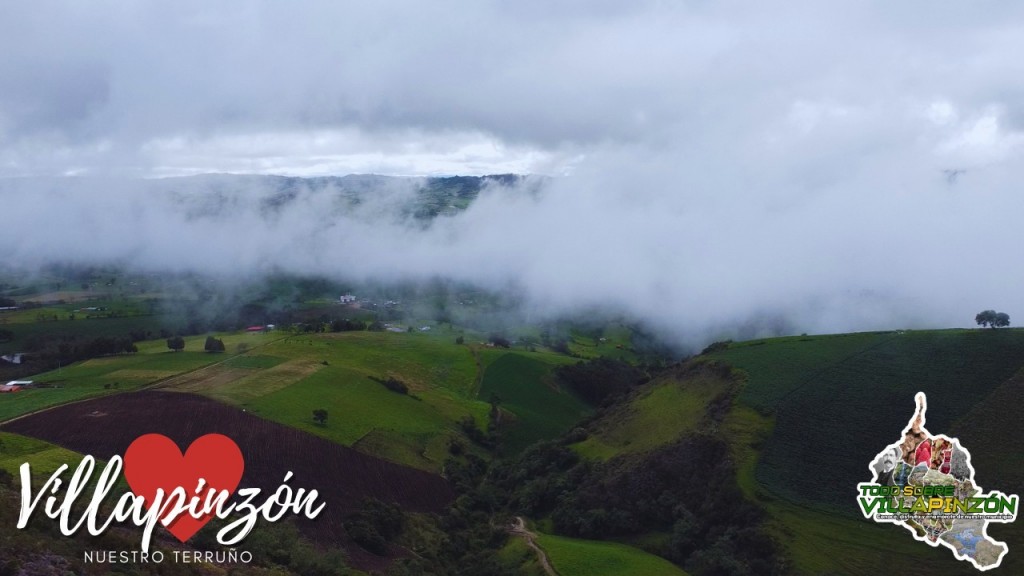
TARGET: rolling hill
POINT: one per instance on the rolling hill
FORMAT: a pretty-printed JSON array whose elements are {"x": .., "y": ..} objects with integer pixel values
[
  {"x": 788, "y": 425},
  {"x": 804, "y": 416}
]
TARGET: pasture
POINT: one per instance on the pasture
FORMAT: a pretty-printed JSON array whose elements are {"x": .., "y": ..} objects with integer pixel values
[{"x": 573, "y": 557}]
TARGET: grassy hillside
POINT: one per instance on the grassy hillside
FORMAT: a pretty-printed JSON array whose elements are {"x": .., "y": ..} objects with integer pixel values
[
  {"x": 335, "y": 372},
  {"x": 523, "y": 384},
  {"x": 110, "y": 375},
  {"x": 284, "y": 378},
  {"x": 573, "y": 557},
  {"x": 838, "y": 400},
  {"x": 812, "y": 412},
  {"x": 44, "y": 458},
  {"x": 287, "y": 379},
  {"x": 657, "y": 415},
  {"x": 799, "y": 419}
]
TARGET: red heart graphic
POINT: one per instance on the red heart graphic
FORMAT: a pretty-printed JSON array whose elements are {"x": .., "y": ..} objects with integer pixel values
[{"x": 154, "y": 461}]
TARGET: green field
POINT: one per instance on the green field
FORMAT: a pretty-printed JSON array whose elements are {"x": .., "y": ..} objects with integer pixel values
[
  {"x": 996, "y": 417},
  {"x": 614, "y": 341},
  {"x": 838, "y": 400},
  {"x": 285, "y": 377},
  {"x": 288, "y": 378},
  {"x": 657, "y": 415},
  {"x": 849, "y": 396},
  {"x": 79, "y": 328},
  {"x": 811, "y": 414},
  {"x": 802, "y": 417},
  {"x": 365, "y": 414},
  {"x": 525, "y": 386},
  {"x": 113, "y": 374},
  {"x": 518, "y": 556},
  {"x": 572, "y": 557},
  {"x": 43, "y": 457}
]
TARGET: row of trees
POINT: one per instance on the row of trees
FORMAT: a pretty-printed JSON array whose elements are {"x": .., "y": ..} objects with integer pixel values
[
  {"x": 177, "y": 344},
  {"x": 992, "y": 319}
]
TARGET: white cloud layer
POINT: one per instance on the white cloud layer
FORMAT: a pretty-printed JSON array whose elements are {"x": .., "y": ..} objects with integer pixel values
[{"x": 842, "y": 166}]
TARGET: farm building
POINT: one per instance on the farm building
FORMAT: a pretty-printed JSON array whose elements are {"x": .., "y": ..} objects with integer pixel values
[
  {"x": 347, "y": 299},
  {"x": 255, "y": 329},
  {"x": 18, "y": 384},
  {"x": 13, "y": 358}
]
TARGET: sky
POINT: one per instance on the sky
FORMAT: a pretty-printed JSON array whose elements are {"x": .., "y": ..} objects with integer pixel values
[{"x": 816, "y": 166}]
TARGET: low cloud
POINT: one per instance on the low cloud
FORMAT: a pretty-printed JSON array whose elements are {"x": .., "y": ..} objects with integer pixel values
[
  {"x": 717, "y": 169},
  {"x": 865, "y": 256}
]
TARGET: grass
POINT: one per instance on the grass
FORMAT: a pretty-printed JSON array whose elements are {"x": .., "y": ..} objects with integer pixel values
[
  {"x": 995, "y": 418},
  {"x": 746, "y": 430},
  {"x": 617, "y": 344},
  {"x": 43, "y": 457},
  {"x": 421, "y": 360},
  {"x": 812, "y": 412},
  {"x": 284, "y": 378},
  {"x": 254, "y": 362},
  {"x": 778, "y": 367},
  {"x": 287, "y": 379},
  {"x": 807, "y": 400},
  {"x": 518, "y": 556},
  {"x": 1000, "y": 464},
  {"x": 80, "y": 328},
  {"x": 819, "y": 542},
  {"x": 113, "y": 374},
  {"x": 657, "y": 416},
  {"x": 823, "y": 543},
  {"x": 336, "y": 372},
  {"x": 572, "y": 557},
  {"x": 525, "y": 386},
  {"x": 853, "y": 402},
  {"x": 365, "y": 414}
]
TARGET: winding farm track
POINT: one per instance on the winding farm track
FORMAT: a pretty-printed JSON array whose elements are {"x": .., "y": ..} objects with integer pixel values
[{"x": 518, "y": 528}]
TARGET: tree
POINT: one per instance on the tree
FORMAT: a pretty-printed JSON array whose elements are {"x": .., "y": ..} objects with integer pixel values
[
  {"x": 320, "y": 416},
  {"x": 992, "y": 319},
  {"x": 985, "y": 317},
  {"x": 176, "y": 343},
  {"x": 214, "y": 344}
]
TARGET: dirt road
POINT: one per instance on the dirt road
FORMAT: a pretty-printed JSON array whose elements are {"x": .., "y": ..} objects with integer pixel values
[{"x": 518, "y": 528}]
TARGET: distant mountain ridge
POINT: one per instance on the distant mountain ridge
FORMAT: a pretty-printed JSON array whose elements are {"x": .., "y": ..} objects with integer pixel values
[
  {"x": 213, "y": 195},
  {"x": 422, "y": 198}
]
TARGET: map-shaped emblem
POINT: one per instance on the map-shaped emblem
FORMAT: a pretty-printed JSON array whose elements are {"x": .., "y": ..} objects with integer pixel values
[{"x": 926, "y": 484}]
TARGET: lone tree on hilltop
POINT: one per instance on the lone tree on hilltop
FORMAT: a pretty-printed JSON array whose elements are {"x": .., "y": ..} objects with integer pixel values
[
  {"x": 177, "y": 343},
  {"x": 992, "y": 319},
  {"x": 320, "y": 416}
]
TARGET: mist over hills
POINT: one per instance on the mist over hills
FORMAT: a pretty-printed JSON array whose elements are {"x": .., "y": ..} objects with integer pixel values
[
  {"x": 693, "y": 271},
  {"x": 849, "y": 168}
]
